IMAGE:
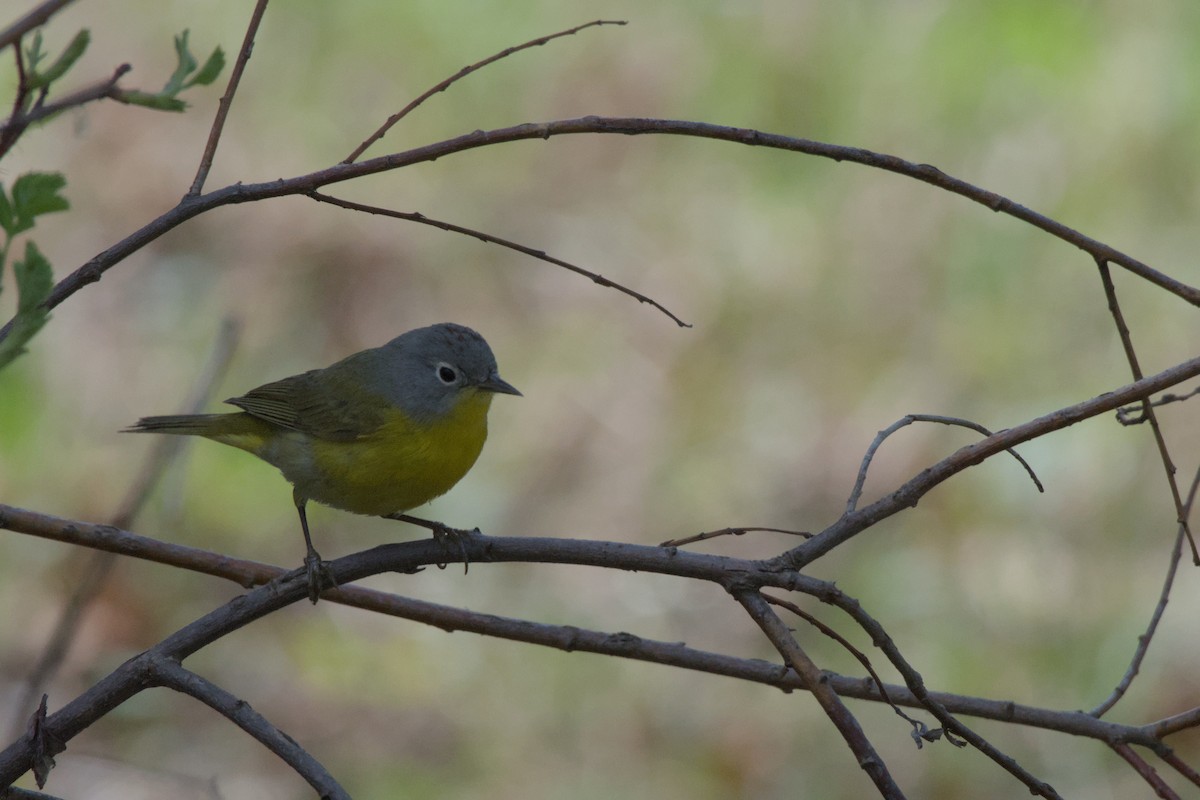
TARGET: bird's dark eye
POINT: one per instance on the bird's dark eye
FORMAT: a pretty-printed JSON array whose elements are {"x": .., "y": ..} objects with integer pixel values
[{"x": 446, "y": 373}]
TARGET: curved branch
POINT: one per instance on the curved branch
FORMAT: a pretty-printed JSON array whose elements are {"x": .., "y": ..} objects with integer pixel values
[
  {"x": 442, "y": 86},
  {"x": 192, "y": 205},
  {"x": 909, "y": 419},
  {"x": 907, "y": 496},
  {"x": 170, "y": 674},
  {"x": 488, "y": 238}
]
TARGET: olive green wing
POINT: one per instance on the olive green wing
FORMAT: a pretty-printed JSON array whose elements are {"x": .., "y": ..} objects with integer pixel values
[{"x": 316, "y": 403}]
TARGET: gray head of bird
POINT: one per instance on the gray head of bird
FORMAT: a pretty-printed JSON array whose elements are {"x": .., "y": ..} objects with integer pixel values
[{"x": 430, "y": 370}]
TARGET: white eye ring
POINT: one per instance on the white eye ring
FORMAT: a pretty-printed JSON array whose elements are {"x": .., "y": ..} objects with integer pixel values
[{"x": 446, "y": 373}]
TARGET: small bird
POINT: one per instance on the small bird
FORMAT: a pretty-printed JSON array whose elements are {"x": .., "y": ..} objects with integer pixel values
[{"x": 378, "y": 433}]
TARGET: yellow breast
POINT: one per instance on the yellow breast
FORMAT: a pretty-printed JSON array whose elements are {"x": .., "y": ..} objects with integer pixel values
[{"x": 399, "y": 466}]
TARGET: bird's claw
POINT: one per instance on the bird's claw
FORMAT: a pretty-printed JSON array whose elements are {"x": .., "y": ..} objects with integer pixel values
[
  {"x": 455, "y": 538},
  {"x": 319, "y": 576}
]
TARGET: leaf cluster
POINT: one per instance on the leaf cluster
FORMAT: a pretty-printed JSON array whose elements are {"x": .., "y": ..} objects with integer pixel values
[
  {"x": 33, "y": 194},
  {"x": 37, "y": 193}
]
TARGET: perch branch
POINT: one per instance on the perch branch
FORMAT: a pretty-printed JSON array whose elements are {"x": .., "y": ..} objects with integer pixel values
[{"x": 409, "y": 556}]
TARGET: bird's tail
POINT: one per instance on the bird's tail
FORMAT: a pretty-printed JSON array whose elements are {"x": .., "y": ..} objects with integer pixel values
[
  {"x": 238, "y": 430},
  {"x": 212, "y": 425}
]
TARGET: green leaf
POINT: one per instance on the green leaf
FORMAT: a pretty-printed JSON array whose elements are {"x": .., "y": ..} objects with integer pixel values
[
  {"x": 162, "y": 102},
  {"x": 186, "y": 65},
  {"x": 209, "y": 72},
  {"x": 37, "y": 193},
  {"x": 34, "y": 282},
  {"x": 8, "y": 220},
  {"x": 34, "y": 54},
  {"x": 63, "y": 63}
]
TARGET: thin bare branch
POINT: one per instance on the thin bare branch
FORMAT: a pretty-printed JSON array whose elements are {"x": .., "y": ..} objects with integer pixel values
[
  {"x": 1126, "y": 416},
  {"x": 907, "y": 496},
  {"x": 705, "y": 535},
  {"x": 12, "y": 127},
  {"x": 1148, "y": 773},
  {"x": 852, "y": 733},
  {"x": 462, "y": 73},
  {"x": 235, "y": 78},
  {"x": 1145, "y": 638},
  {"x": 36, "y": 17},
  {"x": 916, "y": 684},
  {"x": 541, "y": 255},
  {"x": 167, "y": 672},
  {"x": 921, "y": 731},
  {"x": 856, "y": 493},
  {"x": 1114, "y": 307},
  {"x": 1186, "y": 770},
  {"x": 10, "y": 133},
  {"x": 1175, "y": 723}
]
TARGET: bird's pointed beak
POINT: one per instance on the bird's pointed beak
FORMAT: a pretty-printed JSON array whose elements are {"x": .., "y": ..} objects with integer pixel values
[{"x": 495, "y": 383}]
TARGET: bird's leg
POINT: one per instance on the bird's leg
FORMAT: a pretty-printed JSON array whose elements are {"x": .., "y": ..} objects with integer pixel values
[{"x": 319, "y": 576}]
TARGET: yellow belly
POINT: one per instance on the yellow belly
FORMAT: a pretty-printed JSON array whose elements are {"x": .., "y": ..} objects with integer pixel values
[{"x": 393, "y": 469}]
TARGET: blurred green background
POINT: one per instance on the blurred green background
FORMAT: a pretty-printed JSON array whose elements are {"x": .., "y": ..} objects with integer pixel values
[{"x": 828, "y": 301}]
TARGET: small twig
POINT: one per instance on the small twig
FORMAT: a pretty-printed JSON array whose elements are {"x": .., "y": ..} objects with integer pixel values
[
  {"x": 1143, "y": 645},
  {"x": 920, "y": 731},
  {"x": 856, "y": 493},
  {"x": 1186, "y": 770},
  {"x": 12, "y": 127},
  {"x": 235, "y": 77},
  {"x": 1148, "y": 773},
  {"x": 781, "y": 637},
  {"x": 1175, "y": 723},
  {"x": 462, "y": 73},
  {"x": 1110, "y": 292},
  {"x": 1126, "y": 417},
  {"x": 541, "y": 255},
  {"x": 168, "y": 673},
  {"x": 10, "y": 134},
  {"x": 916, "y": 684},
  {"x": 36, "y": 17},
  {"x": 704, "y": 535},
  {"x": 910, "y": 493}
]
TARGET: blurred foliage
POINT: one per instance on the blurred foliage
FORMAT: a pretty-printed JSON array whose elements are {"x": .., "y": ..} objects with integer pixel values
[{"x": 828, "y": 301}]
